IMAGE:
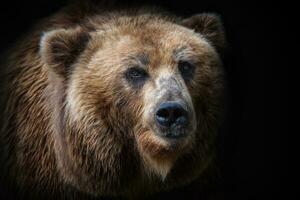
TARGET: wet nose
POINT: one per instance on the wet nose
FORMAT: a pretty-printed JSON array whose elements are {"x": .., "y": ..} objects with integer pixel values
[{"x": 171, "y": 114}]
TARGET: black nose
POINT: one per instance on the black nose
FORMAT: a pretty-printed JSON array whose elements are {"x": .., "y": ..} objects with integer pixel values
[{"x": 171, "y": 114}]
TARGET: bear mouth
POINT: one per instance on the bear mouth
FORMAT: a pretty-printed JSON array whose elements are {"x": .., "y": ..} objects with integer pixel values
[
  {"x": 164, "y": 144},
  {"x": 174, "y": 133}
]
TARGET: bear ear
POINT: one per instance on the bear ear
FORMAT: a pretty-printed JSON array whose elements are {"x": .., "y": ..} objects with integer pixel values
[
  {"x": 60, "y": 48},
  {"x": 208, "y": 25}
]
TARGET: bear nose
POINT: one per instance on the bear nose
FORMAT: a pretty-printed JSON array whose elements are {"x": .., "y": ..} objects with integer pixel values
[{"x": 171, "y": 114}]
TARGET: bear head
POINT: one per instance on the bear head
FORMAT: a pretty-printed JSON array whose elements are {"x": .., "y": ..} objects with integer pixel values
[{"x": 137, "y": 100}]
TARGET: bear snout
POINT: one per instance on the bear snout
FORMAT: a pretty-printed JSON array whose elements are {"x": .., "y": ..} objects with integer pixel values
[{"x": 172, "y": 118}]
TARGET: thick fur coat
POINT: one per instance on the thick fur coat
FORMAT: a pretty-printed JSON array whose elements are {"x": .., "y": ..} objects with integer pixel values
[{"x": 75, "y": 126}]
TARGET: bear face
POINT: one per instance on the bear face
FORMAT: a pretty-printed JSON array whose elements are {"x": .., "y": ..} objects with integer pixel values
[{"x": 137, "y": 98}]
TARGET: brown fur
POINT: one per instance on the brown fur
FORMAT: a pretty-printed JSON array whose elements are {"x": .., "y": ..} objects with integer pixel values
[{"x": 73, "y": 126}]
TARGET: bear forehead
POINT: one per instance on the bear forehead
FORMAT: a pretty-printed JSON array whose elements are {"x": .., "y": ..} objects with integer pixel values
[{"x": 153, "y": 42}]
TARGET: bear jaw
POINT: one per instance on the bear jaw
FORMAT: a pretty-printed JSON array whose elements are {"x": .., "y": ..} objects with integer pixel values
[{"x": 159, "y": 155}]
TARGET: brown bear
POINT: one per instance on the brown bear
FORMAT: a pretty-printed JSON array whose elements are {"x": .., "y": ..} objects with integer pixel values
[{"x": 111, "y": 103}]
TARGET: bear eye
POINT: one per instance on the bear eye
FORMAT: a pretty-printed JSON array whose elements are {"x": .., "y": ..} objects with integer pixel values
[
  {"x": 136, "y": 75},
  {"x": 186, "y": 69}
]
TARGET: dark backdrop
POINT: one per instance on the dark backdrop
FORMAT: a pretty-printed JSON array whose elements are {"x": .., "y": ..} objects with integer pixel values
[{"x": 251, "y": 146}]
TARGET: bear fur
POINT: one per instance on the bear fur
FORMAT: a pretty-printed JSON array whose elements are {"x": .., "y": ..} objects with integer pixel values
[{"x": 74, "y": 128}]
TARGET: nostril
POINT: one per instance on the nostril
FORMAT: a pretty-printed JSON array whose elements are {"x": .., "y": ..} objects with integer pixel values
[
  {"x": 163, "y": 113},
  {"x": 163, "y": 117},
  {"x": 178, "y": 112},
  {"x": 181, "y": 121}
]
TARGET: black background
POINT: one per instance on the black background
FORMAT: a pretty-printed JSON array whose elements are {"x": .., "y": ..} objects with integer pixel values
[{"x": 252, "y": 144}]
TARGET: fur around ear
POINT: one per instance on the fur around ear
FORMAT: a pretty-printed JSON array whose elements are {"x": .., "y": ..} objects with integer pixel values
[
  {"x": 209, "y": 26},
  {"x": 60, "y": 48}
]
